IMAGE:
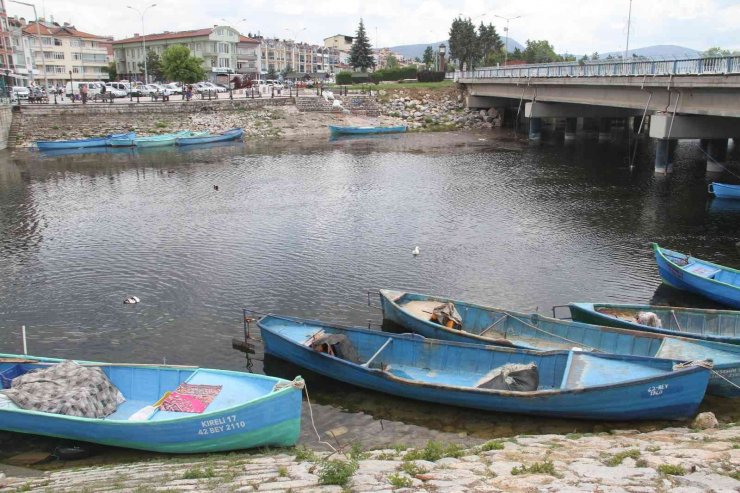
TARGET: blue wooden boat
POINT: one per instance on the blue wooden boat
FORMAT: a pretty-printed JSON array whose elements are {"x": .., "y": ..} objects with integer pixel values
[
  {"x": 346, "y": 130},
  {"x": 725, "y": 191},
  {"x": 695, "y": 323},
  {"x": 165, "y": 139},
  {"x": 78, "y": 143},
  {"x": 486, "y": 325},
  {"x": 233, "y": 134},
  {"x": 247, "y": 412},
  {"x": 122, "y": 140},
  {"x": 713, "y": 281},
  {"x": 568, "y": 383}
]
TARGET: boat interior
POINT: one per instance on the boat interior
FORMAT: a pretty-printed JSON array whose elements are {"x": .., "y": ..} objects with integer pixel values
[
  {"x": 537, "y": 332},
  {"x": 702, "y": 322},
  {"x": 145, "y": 385},
  {"x": 427, "y": 361}
]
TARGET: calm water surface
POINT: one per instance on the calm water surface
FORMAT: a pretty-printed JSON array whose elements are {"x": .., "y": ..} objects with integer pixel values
[{"x": 306, "y": 230}]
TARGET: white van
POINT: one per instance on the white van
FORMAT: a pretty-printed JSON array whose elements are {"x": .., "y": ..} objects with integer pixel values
[{"x": 93, "y": 87}]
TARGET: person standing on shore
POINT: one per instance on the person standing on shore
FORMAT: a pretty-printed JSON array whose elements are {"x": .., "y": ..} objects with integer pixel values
[{"x": 83, "y": 93}]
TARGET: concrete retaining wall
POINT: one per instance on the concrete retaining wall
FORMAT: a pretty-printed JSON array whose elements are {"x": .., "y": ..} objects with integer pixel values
[
  {"x": 58, "y": 122},
  {"x": 6, "y": 119}
]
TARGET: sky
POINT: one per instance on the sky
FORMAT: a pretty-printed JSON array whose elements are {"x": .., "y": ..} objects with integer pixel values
[{"x": 573, "y": 26}]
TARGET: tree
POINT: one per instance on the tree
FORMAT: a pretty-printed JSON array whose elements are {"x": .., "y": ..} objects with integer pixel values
[
  {"x": 287, "y": 70},
  {"x": 716, "y": 51},
  {"x": 464, "y": 43},
  {"x": 179, "y": 65},
  {"x": 540, "y": 51},
  {"x": 153, "y": 65},
  {"x": 112, "y": 71},
  {"x": 360, "y": 55},
  {"x": 516, "y": 55},
  {"x": 428, "y": 57},
  {"x": 595, "y": 55},
  {"x": 391, "y": 61},
  {"x": 271, "y": 74},
  {"x": 489, "y": 44}
]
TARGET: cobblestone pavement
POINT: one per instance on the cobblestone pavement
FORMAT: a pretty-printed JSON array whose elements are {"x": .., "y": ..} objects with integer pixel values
[{"x": 681, "y": 460}]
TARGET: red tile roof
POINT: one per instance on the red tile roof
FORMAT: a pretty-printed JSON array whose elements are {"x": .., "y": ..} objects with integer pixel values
[
  {"x": 244, "y": 39},
  {"x": 173, "y": 35},
  {"x": 59, "y": 31}
]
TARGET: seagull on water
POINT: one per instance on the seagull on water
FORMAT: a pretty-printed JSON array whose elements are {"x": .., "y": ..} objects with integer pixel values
[
  {"x": 415, "y": 251},
  {"x": 131, "y": 300}
]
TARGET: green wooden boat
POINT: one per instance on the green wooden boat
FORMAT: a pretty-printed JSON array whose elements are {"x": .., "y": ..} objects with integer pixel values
[{"x": 165, "y": 139}]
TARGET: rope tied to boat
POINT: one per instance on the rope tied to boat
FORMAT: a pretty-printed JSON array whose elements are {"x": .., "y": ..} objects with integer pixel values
[
  {"x": 297, "y": 383},
  {"x": 300, "y": 384},
  {"x": 705, "y": 364}
]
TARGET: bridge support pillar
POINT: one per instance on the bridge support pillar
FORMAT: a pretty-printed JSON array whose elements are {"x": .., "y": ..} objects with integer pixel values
[
  {"x": 664, "y": 155},
  {"x": 717, "y": 150},
  {"x": 571, "y": 127},
  {"x": 535, "y": 128},
  {"x": 605, "y": 129}
]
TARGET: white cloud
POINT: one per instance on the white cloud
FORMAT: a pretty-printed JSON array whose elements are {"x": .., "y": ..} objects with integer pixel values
[{"x": 575, "y": 26}]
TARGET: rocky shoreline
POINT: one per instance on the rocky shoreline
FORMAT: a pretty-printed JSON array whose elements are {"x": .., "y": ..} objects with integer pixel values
[
  {"x": 685, "y": 460},
  {"x": 418, "y": 109}
]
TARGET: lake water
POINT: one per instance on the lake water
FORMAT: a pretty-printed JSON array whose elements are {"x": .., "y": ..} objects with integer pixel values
[{"x": 308, "y": 229}]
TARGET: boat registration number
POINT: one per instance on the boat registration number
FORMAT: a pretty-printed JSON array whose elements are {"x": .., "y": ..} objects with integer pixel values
[
  {"x": 220, "y": 425},
  {"x": 657, "y": 390}
]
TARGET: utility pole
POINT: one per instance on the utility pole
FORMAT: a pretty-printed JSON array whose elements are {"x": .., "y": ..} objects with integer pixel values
[
  {"x": 629, "y": 22},
  {"x": 143, "y": 36},
  {"x": 506, "y": 46},
  {"x": 38, "y": 36}
]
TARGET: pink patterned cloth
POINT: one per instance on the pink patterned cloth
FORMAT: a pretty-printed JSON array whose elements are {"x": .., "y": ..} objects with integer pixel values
[{"x": 191, "y": 398}]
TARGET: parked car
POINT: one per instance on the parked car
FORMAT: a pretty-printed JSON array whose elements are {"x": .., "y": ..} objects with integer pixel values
[
  {"x": 121, "y": 86},
  {"x": 174, "y": 88},
  {"x": 143, "y": 90},
  {"x": 20, "y": 92},
  {"x": 110, "y": 88}
]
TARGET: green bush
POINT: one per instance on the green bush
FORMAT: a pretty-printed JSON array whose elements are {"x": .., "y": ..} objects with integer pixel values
[
  {"x": 671, "y": 470},
  {"x": 336, "y": 472},
  {"x": 344, "y": 78},
  {"x": 430, "y": 76},
  {"x": 433, "y": 451},
  {"x": 391, "y": 74}
]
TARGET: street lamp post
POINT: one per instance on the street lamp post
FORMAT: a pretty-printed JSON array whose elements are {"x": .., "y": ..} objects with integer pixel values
[
  {"x": 442, "y": 52},
  {"x": 143, "y": 36},
  {"x": 38, "y": 36},
  {"x": 506, "y": 47}
]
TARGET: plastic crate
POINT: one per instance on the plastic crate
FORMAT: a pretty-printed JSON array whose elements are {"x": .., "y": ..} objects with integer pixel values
[{"x": 7, "y": 376}]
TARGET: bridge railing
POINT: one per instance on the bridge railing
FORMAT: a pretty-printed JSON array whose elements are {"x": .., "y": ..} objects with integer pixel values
[{"x": 690, "y": 66}]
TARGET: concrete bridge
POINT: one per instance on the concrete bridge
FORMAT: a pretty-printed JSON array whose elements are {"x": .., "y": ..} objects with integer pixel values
[{"x": 675, "y": 99}]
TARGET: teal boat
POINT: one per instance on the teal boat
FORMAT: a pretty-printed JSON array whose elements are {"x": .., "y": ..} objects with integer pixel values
[
  {"x": 165, "y": 139},
  {"x": 248, "y": 411},
  {"x": 696, "y": 323},
  {"x": 487, "y": 325},
  {"x": 347, "y": 130}
]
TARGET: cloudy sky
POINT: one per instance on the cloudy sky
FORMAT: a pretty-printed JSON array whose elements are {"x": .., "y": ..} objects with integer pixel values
[{"x": 575, "y": 26}]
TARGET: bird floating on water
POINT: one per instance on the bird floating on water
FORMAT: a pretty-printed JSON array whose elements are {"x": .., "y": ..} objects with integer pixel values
[
  {"x": 215, "y": 187},
  {"x": 131, "y": 300},
  {"x": 415, "y": 251}
]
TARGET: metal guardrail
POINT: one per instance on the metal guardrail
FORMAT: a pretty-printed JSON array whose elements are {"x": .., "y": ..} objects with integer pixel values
[{"x": 690, "y": 66}]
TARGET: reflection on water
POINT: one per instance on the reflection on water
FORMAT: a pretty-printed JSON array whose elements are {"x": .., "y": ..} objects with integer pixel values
[{"x": 305, "y": 229}]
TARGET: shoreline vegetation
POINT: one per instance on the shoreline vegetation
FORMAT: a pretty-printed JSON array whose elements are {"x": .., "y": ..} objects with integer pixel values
[{"x": 690, "y": 458}]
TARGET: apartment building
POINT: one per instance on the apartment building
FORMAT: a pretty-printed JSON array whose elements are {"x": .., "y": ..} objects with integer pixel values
[
  {"x": 7, "y": 65},
  {"x": 67, "y": 52},
  {"x": 298, "y": 59},
  {"x": 223, "y": 49}
]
